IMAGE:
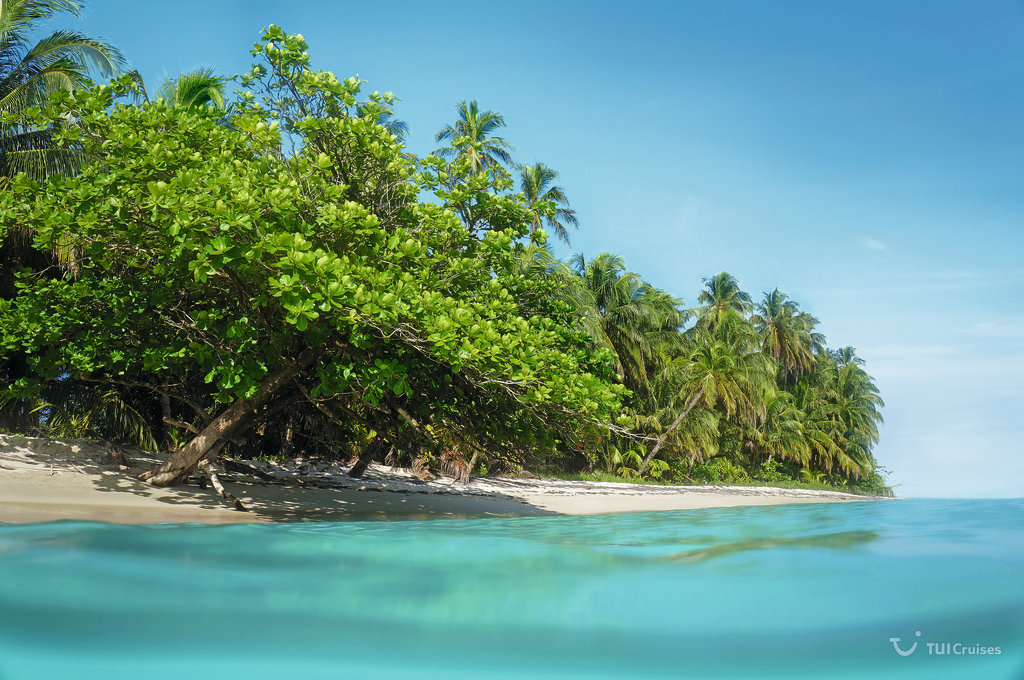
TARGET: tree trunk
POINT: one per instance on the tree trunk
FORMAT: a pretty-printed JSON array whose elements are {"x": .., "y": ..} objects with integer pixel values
[
  {"x": 165, "y": 413},
  {"x": 184, "y": 461},
  {"x": 661, "y": 440}
]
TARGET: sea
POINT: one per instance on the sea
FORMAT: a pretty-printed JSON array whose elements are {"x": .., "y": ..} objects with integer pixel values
[{"x": 891, "y": 589}]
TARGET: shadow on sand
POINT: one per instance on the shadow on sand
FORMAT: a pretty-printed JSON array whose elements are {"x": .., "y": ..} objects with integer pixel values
[{"x": 291, "y": 502}]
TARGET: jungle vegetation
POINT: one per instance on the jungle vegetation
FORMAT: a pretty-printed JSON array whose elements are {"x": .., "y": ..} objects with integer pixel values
[{"x": 276, "y": 274}]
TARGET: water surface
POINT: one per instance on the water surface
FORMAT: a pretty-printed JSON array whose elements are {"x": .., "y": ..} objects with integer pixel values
[{"x": 800, "y": 591}]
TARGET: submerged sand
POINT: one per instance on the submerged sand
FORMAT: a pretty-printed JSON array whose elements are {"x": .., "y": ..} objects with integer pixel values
[{"x": 44, "y": 480}]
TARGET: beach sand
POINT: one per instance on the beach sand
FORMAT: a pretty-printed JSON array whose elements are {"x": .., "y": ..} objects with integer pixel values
[{"x": 44, "y": 480}]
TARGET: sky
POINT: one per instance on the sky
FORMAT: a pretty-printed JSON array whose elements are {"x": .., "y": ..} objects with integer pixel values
[{"x": 867, "y": 158}]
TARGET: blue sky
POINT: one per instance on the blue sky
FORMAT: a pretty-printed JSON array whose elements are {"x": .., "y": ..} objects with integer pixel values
[{"x": 867, "y": 158}]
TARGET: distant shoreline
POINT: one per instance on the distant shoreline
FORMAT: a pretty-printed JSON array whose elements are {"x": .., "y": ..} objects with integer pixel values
[{"x": 44, "y": 480}]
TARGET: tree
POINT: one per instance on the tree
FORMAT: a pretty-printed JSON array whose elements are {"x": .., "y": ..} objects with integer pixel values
[
  {"x": 780, "y": 434},
  {"x": 721, "y": 297},
  {"x": 31, "y": 73},
  {"x": 842, "y": 412},
  {"x": 313, "y": 281},
  {"x": 715, "y": 375},
  {"x": 547, "y": 202},
  {"x": 785, "y": 334},
  {"x": 385, "y": 117},
  {"x": 472, "y": 137},
  {"x": 201, "y": 87},
  {"x": 627, "y": 316}
]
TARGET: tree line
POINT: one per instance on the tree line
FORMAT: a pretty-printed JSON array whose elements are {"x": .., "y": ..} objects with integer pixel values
[{"x": 276, "y": 274}]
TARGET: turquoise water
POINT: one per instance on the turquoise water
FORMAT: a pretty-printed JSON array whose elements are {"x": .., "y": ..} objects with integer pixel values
[{"x": 802, "y": 591}]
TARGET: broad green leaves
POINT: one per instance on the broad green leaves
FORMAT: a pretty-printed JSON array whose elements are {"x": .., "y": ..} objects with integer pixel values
[{"x": 210, "y": 250}]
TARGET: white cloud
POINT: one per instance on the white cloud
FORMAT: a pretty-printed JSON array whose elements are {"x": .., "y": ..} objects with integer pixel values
[
  {"x": 1012, "y": 329},
  {"x": 874, "y": 244}
]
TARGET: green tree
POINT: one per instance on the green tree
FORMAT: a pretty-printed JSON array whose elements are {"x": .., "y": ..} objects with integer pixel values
[
  {"x": 473, "y": 138},
  {"x": 201, "y": 87},
  {"x": 30, "y": 73},
  {"x": 384, "y": 116},
  {"x": 721, "y": 298},
  {"x": 547, "y": 202},
  {"x": 780, "y": 433},
  {"x": 785, "y": 334},
  {"x": 313, "y": 282},
  {"x": 628, "y": 317},
  {"x": 717, "y": 375}
]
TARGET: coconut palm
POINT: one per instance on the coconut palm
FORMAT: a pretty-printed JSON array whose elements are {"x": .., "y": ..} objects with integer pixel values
[
  {"x": 720, "y": 298},
  {"x": 31, "y": 73},
  {"x": 547, "y": 202},
  {"x": 781, "y": 433},
  {"x": 201, "y": 87},
  {"x": 716, "y": 375},
  {"x": 843, "y": 412},
  {"x": 627, "y": 316},
  {"x": 785, "y": 334},
  {"x": 472, "y": 137}
]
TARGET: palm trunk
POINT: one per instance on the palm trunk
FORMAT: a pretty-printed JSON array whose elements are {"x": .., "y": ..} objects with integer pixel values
[
  {"x": 675, "y": 423},
  {"x": 185, "y": 460}
]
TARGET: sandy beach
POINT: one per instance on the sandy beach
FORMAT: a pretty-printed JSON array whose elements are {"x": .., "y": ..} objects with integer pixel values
[{"x": 45, "y": 480}]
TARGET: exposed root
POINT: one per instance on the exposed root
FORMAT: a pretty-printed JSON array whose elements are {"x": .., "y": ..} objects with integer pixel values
[{"x": 160, "y": 477}]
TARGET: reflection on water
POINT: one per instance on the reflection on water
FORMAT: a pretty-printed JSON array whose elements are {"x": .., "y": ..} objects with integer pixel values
[
  {"x": 843, "y": 539},
  {"x": 805, "y": 591}
]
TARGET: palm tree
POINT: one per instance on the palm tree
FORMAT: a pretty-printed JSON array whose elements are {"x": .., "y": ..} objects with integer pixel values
[
  {"x": 30, "y": 74},
  {"x": 785, "y": 334},
  {"x": 193, "y": 89},
  {"x": 716, "y": 375},
  {"x": 473, "y": 138},
  {"x": 843, "y": 412},
  {"x": 627, "y": 316},
  {"x": 536, "y": 182},
  {"x": 721, "y": 297},
  {"x": 781, "y": 433}
]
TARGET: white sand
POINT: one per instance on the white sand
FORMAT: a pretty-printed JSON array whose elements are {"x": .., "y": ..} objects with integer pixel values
[{"x": 45, "y": 480}]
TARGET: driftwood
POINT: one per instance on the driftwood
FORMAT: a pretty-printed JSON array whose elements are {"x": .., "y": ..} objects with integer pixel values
[{"x": 206, "y": 467}]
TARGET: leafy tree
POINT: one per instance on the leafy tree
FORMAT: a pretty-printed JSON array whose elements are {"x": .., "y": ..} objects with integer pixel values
[
  {"x": 313, "y": 281},
  {"x": 473, "y": 138},
  {"x": 385, "y": 117},
  {"x": 547, "y": 202}
]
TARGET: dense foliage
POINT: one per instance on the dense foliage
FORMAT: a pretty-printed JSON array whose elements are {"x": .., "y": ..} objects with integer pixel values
[{"x": 282, "y": 276}]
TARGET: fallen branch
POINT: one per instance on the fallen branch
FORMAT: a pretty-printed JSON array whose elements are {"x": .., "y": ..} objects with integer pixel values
[
  {"x": 205, "y": 466},
  {"x": 232, "y": 465}
]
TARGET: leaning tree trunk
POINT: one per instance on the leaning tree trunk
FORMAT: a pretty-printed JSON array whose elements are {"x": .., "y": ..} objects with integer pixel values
[
  {"x": 185, "y": 460},
  {"x": 661, "y": 440}
]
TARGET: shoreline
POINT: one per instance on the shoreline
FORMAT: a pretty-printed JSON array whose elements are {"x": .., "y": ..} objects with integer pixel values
[{"x": 43, "y": 480}]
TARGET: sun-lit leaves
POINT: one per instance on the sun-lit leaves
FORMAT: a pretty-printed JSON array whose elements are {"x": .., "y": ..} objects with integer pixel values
[{"x": 208, "y": 250}]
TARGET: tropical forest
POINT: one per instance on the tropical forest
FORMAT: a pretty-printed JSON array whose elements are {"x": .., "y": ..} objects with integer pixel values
[{"x": 255, "y": 266}]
